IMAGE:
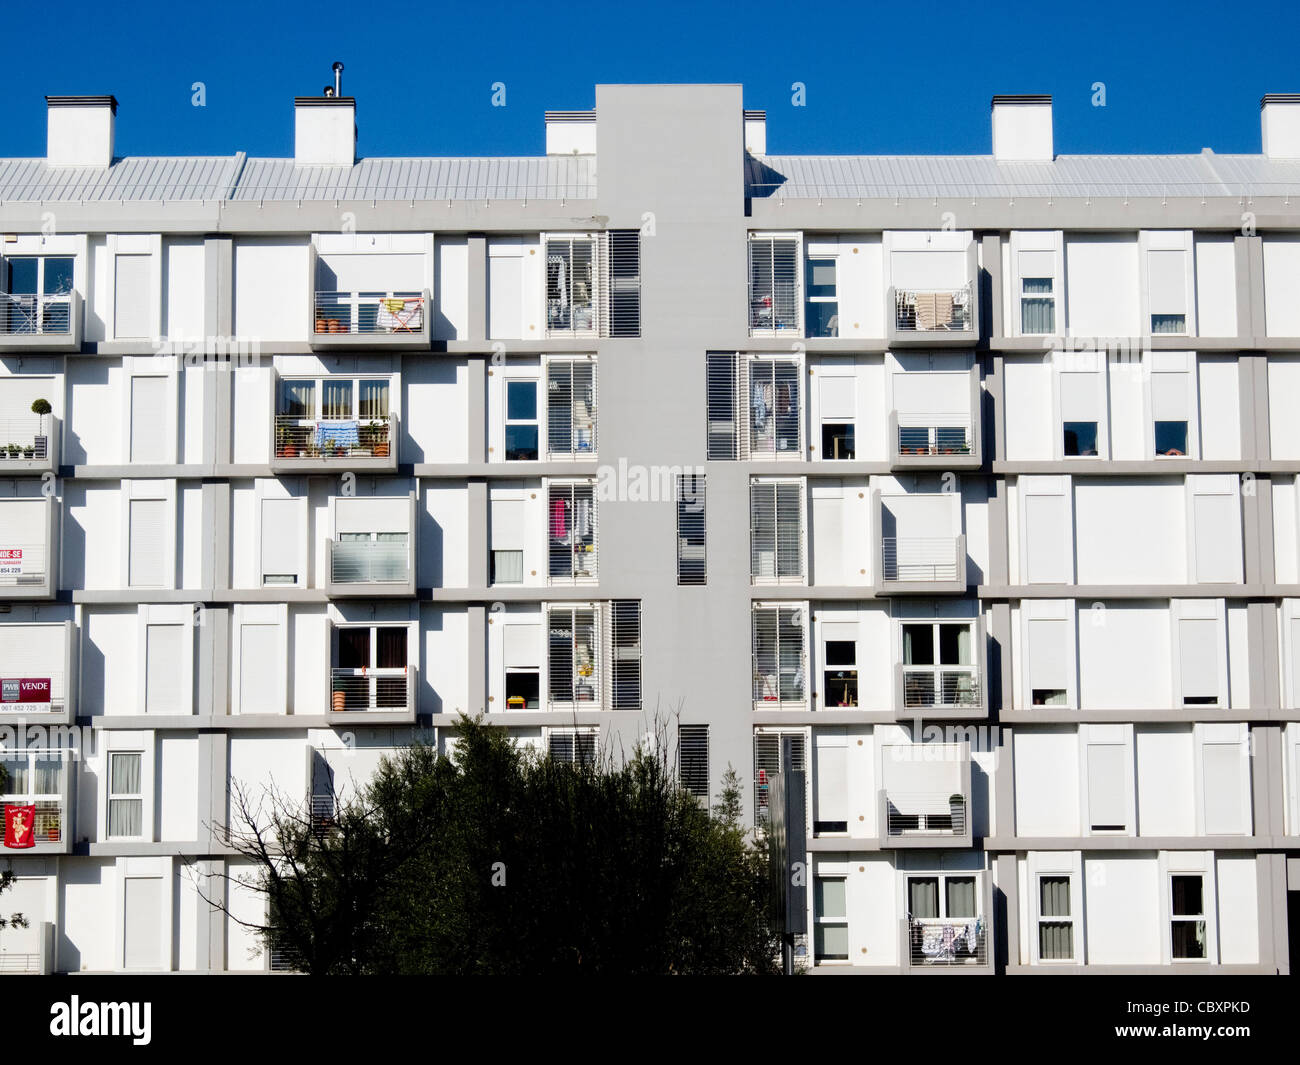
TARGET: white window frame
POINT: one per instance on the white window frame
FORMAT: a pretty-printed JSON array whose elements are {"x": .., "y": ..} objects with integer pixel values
[
  {"x": 138, "y": 743},
  {"x": 1199, "y": 610},
  {"x": 156, "y": 490},
  {"x": 800, "y": 621},
  {"x": 1223, "y": 734},
  {"x": 1176, "y": 240},
  {"x": 412, "y": 657},
  {"x": 593, "y": 680},
  {"x": 818, "y": 250},
  {"x": 1030, "y": 871},
  {"x": 1081, "y": 362},
  {"x": 1044, "y": 241},
  {"x": 976, "y": 668},
  {"x": 594, "y": 297},
  {"x": 575, "y": 453},
  {"x": 777, "y": 484},
  {"x": 1189, "y": 863},
  {"x": 1053, "y": 610},
  {"x": 1172, "y": 363},
  {"x": 276, "y": 614},
  {"x": 1108, "y": 735},
  {"x": 822, "y": 921},
  {"x": 796, "y": 330}
]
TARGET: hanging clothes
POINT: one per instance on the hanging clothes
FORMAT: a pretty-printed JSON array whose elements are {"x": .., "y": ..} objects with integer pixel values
[
  {"x": 582, "y": 519},
  {"x": 558, "y": 523}
]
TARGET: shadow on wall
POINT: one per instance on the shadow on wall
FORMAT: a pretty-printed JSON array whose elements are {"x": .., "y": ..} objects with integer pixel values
[
  {"x": 430, "y": 542},
  {"x": 90, "y": 381}
]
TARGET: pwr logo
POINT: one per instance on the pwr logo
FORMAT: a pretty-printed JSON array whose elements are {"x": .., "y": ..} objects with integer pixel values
[{"x": 8, "y": 691}]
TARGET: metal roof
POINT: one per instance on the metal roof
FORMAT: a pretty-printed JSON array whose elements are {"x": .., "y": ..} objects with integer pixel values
[
  {"x": 917, "y": 176},
  {"x": 135, "y": 178}
]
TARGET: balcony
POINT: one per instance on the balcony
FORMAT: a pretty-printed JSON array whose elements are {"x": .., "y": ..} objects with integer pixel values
[
  {"x": 370, "y": 567},
  {"x": 947, "y": 438},
  {"x": 933, "y": 317},
  {"x": 922, "y": 565},
  {"x": 42, "y": 780},
  {"x": 38, "y": 671},
  {"x": 316, "y": 445},
  {"x": 926, "y": 798},
  {"x": 372, "y": 696},
  {"x": 925, "y": 689},
  {"x": 391, "y": 321},
  {"x": 28, "y": 549},
  {"x": 28, "y": 449},
  {"x": 40, "y": 323}
]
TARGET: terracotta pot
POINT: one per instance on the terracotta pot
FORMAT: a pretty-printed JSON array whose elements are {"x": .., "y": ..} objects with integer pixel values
[
  {"x": 339, "y": 702},
  {"x": 381, "y": 450},
  {"x": 322, "y": 325},
  {"x": 289, "y": 451},
  {"x": 336, "y": 326}
]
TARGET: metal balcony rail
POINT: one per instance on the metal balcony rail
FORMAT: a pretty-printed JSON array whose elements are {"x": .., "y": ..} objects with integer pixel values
[
  {"x": 947, "y": 941},
  {"x": 931, "y": 813},
  {"x": 934, "y": 434},
  {"x": 286, "y": 960},
  {"x": 368, "y": 313},
  {"x": 16, "y": 964},
  {"x": 371, "y": 688},
  {"x": 22, "y": 563},
  {"x": 35, "y": 315},
  {"x": 25, "y": 689},
  {"x": 933, "y": 310},
  {"x": 331, "y": 438},
  {"x": 22, "y": 438},
  {"x": 369, "y": 562},
  {"x": 940, "y": 686},
  {"x": 919, "y": 558}
]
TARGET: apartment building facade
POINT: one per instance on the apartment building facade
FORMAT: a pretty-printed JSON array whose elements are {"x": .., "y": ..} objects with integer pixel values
[{"x": 977, "y": 476}]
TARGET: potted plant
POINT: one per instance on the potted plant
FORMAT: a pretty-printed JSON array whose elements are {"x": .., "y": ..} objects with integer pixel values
[
  {"x": 378, "y": 436},
  {"x": 338, "y": 698},
  {"x": 14, "y": 450},
  {"x": 52, "y": 824},
  {"x": 41, "y": 407},
  {"x": 284, "y": 445},
  {"x": 322, "y": 324},
  {"x": 29, "y": 451}
]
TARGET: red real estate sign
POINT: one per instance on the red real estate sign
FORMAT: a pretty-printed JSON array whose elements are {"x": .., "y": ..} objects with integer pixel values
[
  {"x": 19, "y": 821},
  {"x": 20, "y": 693}
]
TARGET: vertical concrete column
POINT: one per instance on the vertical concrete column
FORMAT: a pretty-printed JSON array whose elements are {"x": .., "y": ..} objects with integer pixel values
[
  {"x": 478, "y": 533},
  {"x": 993, "y": 409},
  {"x": 476, "y": 328},
  {"x": 1267, "y": 785},
  {"x": 210, "y": 935},
  {"x": 218, "y": 322},
  {"x": 476, "y": 445},
  {"x": 1271, "y": 882},
  {"x": 991, "y": 249},
  {"x": 1249, "y": 264},
  {"x": 214, "y": 660},
  {"x": 478, "y": 636},
  {"x": 1265, "y": 658},
  {"x": 1257, "y": 529},
  {"x": 1006, "y": 917}
]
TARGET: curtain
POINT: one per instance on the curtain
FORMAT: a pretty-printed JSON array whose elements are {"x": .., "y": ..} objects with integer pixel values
[
  {"x": 125, "y": 815},
  {"x": 336, "y": 399},
  {"x": 1037, "y": 307},
  {"x": 923, "y": 896},
  {"x": 961, "y": 896},
  {"x": 48, "y": 773},
  {"x": 298, "y": 399},
  {"x": 507, "y": 567},
  {"x": 1055, "y": 938},
  {"x": 373, "y": 401}
]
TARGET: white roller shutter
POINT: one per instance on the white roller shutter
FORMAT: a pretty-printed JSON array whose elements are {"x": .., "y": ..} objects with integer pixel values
[
  {"x": 148, "y": 549},
  {"x": 165, "y": 653},
  {"x": 149, "y": 419}
]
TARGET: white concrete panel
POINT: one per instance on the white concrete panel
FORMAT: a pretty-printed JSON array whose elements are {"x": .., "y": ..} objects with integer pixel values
[
  {"x": 1122, "y": 899},
  {"x": 1281, "y": 281},
  {"x": 1283, "y": 401},
  {"x": 1028, "y": 391},
  {"x": 1238, "y": 895},
  {"x": 1102, "y": 285},
  {"x": 1220, "y": 407},
  {"x": 1130, "y": 532},
  {"x": 271, "y": 288},
  {"x": 1047, "y": 782},
  {"x": 88, "y": 890},
  {"x": 451, "y": 296},
  {"x": 1165, "y": 781},
  {"x": 183, "y": 283},
  {"x": 1216, "y": 285},
  {"x": 1124, "y": 656}
]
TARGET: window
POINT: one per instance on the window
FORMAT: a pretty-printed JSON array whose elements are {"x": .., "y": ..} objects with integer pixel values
[
  {"x": 1049, "y": 651},
  {"x": 941, "y": 897},
  {"x": 776, "y": 531},
  {"x": 125, "y": 795},
  {"x": 1171, "y": 437},
  {"x": 838, "y": 411},
  {"x": 945, "y": 925},
  {"x": 571, "y": 528},
  {"x": 572, "y": 642},
  {"x": 146, "y": 562},
  {"x": 939, "y": 664},
  {"x": 1037, "y": 305},
  {"x": 570, "y": 285},
  {"x": 625, "y": 654},
  {"x": 693, "y": 760},
  {"x": 623, "y": 251},
  {"x": 572, "y": 746},
  {"x": 692, "y": 549},
  {"x": 1172, "y": 384},
  {"x": 831, "y": 791},
  {"x": 1055, "y": 920},
  {"x": 570, "y": 409},
  {"x": 131, "y": 299},
  {"x": 822, "y": 309},
  {"x": 333, "y": 415},
  {"x": 506, "y": 533},
  {"x": 39, "y": 294},
  {"x": 767, "y": 762},
  {"x": 754, "y": 407},
  {"x": 778, "y": 642},
  {"x": 773, "y": 284},
  {"x": 830, "y": 912},
  {"x": 1198, "y": 654},
  {"x": 165, "y": 655},
  {"x": 522, "y": 653},
  {"x": 507, "y": 567},
  {"x": 1080, "y": 438},
  {"x": 371, "y": 671},
  {"x": 521, "y": 421},
  {"x": 35, "y": 777},
  {"x": 1187, "y": 916},
  {"x": 840, "y": 680},
  {"x": 1108, "y": 787},
  {"x": 1167, "y": 290}
]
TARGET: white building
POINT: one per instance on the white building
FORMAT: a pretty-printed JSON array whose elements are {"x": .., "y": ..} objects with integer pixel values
[{"x": 976, "y": 474}]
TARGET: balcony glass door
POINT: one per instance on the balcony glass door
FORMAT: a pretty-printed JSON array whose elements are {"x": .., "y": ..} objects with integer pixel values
[{"x": 39, "y": 289}]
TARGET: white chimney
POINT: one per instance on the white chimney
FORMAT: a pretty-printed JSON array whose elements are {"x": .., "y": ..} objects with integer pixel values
[
  {"x": 1279, "y": 119},
  {"x": 79, "y": 130},
  {"x": 324, "y": 131},
  {"x": 1022, "y": 129},
  {"x": 570, "y": 132},
  {"x": 756, "y": 132}
]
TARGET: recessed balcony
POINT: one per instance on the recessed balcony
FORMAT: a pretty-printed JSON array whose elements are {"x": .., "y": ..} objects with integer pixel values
[
  {"x": 371, "y": 567},
  {"x": 922, "y": 565},
  {"x": 317, "y": 445},
  {"x": 393, "y": 321},
  {"x": 933, "y": 316},
  {"x": 28, "y": 549},
  {"x": 927, "y": 794}
]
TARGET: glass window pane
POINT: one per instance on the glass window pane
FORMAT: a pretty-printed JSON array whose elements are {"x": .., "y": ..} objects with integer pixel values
[
  {"x": 923, "y": 896},
  {"x": 58, "y": 276},
  {"x": 918, "y": 645},
  {"x": 1080, "y": 438},
  {"x": 521, "y": 443},
  {"x": 124, "y": 775},
  {"x": 336, "y": 399},
  {"x": 831, "y": 899},
  {"x": 1037, "y": 315},
  {"x": 1055, "y": 941},
  {"x": 1054, "y": 892},
  {"x": 298, "y": 399},
  {"x": 822, "y": 319},
  {"x": 961, "y": 896},
  {"x": 521, "y": 400},
  {"x": 390, "y": 648},
  {"x": 21, "y": 276},
  {"x": 1188, "y": 939},
  {"x": 837, "y": 440},
  {"x": 1036, "y": 286},
  {"x": 354, "y": 648},
  {"x": 125, "y": 817},
  {"x": 831, "y": 942},
  {"x": 1187, "y": 896},
  {"x": 841, "y": 652},
  {"x": 14, "y": 775},
  {"x": 821, "y": 278},
  {"x": 1169, "y": 323},
  {"x": 374, "y": 400},
  {"x": 1171, "y": 438}
]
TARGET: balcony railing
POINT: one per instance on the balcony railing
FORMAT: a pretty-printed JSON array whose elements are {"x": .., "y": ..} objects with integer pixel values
[
  {"x": 928, "y": 814},
  {"x": 31, "y": 691},
  {"x": 326, "y": 439},
  {"x": 369, "y": 562},
  {"x": 933, "y": 311},
  {"x": 938, "y": 686},
  {"x": 372, "y": 690},
  {"x": 947, "y": 941},
  {"x": 26, "y": 315},
  {"x": 22, "y": 439},
  {"x": 20, "y": 564},
  {"x": 368, "y": 313},
  {"x": 934, "y": 434},
  {"x": 920, "y": 558}
]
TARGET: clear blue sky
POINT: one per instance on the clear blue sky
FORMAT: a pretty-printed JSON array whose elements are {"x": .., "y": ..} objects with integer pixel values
[{"x": 881, "y": 78}]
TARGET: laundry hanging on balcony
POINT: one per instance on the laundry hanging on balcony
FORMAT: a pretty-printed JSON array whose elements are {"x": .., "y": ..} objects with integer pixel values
[{"x": 335, "y": 434}]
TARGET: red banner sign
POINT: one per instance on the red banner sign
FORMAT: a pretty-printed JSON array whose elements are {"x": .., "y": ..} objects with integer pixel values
[
  {"x": 25, "y": 690},
  {"x": 19, "y": 822}
]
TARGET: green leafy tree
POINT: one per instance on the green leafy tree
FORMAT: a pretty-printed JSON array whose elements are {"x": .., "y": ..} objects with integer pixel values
[{"x": 503, "y": 861}]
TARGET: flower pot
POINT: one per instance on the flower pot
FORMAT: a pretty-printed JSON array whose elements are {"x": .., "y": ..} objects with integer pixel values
[
  {"x": 381, "y": 450},
  {"x": 289, "y": 451},
  {"x": 322, "y": 325},
  {"x": 339, "y": 702},
  {"x": 335, "y": 326}
]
